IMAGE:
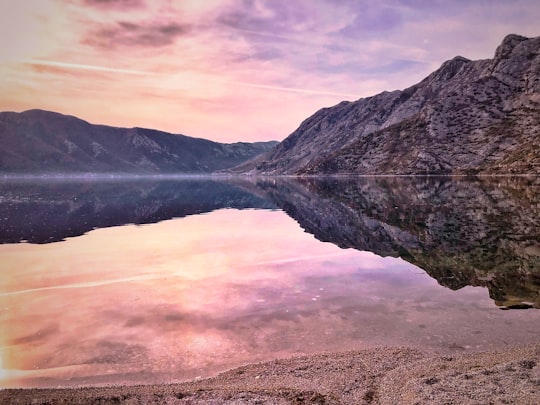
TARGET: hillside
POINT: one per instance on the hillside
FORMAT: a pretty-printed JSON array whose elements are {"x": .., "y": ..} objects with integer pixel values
[
  {"x": 37, "y": 141},
  {"x": 466, "y": 117}
]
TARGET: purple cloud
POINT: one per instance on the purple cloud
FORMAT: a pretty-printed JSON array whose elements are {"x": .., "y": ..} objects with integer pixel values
[
  {"x": 372, "y": 20},
  {"x": 279, "y": 16},
  {"x": 118, "y": 4},
  {"x": 131, "y": 34}
]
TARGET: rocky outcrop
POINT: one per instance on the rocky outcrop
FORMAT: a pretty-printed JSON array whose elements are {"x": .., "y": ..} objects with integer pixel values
[
  {"x": 466, "y": 117},
  {"x": 38, "y": 141}
]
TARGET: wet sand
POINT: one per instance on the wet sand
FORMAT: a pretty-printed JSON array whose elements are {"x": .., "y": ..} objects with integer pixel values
[{"x": 375, "y": 376}]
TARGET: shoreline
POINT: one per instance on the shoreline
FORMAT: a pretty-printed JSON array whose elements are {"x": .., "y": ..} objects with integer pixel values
[{"x": 383, "y": 375}]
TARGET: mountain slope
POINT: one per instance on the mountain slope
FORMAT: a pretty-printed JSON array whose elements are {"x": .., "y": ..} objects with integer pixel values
[
  {"x": 466, "y": 117},
  {"x": 46, "y": 142}
]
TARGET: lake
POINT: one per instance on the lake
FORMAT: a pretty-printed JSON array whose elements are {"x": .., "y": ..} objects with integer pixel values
[{"x": 140, "y": 280}]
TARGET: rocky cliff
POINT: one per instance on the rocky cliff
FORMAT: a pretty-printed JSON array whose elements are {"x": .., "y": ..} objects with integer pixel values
[
  {"x": 39, "y": 141},
  {"x": 466, "y": 117}
]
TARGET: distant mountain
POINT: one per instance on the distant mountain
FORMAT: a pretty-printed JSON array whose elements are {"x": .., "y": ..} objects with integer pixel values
[
  {"x": 39, "y": 141},
  {"x": 466, "y": 117}
]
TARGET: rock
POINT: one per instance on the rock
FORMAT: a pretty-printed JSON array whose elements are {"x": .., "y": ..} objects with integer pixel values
[{"x": 467, "y": 117}]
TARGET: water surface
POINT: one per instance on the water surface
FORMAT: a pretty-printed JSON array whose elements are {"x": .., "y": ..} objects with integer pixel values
[{"x": 129, "y": 282}]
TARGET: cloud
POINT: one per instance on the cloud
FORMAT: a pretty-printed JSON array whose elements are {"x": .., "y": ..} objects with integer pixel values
[
  {"x": 129, "y": 34},
  {"x": 379, "y": 67},
  {"x": 63, "y": 67},
  {"x": 336, "y": 42},
  {"x": 117, "y": 4},
  {"x": 279, "y": 16},
  {"x": 294, "y": 89},
  {"x": 217, "y": 56},
  {"x": 372, "y": 20}
]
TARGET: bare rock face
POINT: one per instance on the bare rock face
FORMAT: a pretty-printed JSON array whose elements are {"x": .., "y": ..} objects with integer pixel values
[
  {"x": 37, "y": 141},
  {"x": 466, "y": 117}
]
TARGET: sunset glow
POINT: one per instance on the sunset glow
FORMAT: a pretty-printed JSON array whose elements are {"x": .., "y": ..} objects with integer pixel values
[
  {"x": 74, "y": 291},
  {"x": 232, "y": 70},
  {"x": 193, "y": 296}
]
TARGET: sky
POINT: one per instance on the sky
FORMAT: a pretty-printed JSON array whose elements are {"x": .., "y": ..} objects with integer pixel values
[{"x": 234, "y": 70}]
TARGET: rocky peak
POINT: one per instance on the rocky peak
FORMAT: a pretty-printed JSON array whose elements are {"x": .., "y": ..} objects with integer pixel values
[
  {"x": 507, "y": 46},
  {"x": 449, "y": 68}
]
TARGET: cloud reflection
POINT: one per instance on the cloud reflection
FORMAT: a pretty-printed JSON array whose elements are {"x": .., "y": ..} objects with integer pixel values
[{"x": 193, "y": 296}]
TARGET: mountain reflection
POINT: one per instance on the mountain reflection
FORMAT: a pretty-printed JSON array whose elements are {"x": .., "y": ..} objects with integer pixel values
[
  {"x": 481, "y": 232},
  {"x": 49, "y": 211},
  {"x": 477, "y": 232}
]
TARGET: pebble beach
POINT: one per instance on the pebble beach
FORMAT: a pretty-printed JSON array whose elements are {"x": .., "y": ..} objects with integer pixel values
[{"x": 385, "y": 375}]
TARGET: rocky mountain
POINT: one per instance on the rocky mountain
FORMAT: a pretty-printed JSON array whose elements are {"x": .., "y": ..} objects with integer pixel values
[
  {"x": 466, "y": 117},
  {"x": 37, "y": 141},
  {"x": 460, "y": 231}
]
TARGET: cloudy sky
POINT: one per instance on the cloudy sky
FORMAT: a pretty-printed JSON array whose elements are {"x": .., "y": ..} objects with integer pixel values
[{"x": 232, "y": 70}]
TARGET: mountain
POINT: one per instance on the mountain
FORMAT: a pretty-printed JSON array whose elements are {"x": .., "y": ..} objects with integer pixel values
[
  {"x": 37, "y": 141},
  {"x": 460, "y": 231},
  {"x": 467, "y": 117}
]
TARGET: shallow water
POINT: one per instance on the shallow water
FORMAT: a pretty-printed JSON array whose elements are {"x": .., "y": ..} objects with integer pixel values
[{"x": 219, "y": 274}]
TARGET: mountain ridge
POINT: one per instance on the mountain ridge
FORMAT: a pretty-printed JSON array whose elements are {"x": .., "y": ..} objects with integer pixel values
[
  {"x": 49, "y": 142},
  {"x": 467, "y": 117}
]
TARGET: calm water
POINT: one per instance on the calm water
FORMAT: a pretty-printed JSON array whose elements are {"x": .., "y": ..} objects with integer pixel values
[{"x": 149, "y": 281}]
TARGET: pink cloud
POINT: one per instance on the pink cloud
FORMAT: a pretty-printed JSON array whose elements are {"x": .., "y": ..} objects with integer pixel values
[
  {"x": 224, "y": 69},
  {"x": 123, "y": 33},
  {"x": 119, "y": 4}
]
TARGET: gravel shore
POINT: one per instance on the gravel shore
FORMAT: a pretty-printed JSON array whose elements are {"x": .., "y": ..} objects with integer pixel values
[{"x": 375, "y": 376}]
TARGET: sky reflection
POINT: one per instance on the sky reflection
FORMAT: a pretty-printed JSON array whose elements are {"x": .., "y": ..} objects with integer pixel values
[{"x": 193, "y": 296}]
